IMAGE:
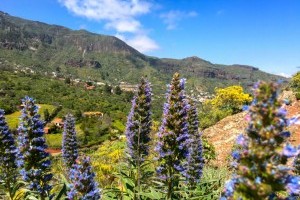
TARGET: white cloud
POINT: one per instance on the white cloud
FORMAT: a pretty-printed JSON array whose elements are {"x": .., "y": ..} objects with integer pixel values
[
  {"x": 118, "y": 15},
  {"x": 173, "y": 17},
  {"x": 120, "y": 36},
  {"x": 131, "y": 26},
  {"x": 141, "y": 42},
  {"x": 107, "y": 9},
  {"x": 285, "y": 75}
]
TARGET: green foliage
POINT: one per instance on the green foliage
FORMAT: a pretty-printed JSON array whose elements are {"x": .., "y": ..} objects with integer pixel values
[
  {"x": 295, "y": 82},
  {"x": 209, "y": 116},
  {"x": 46, "y": 115},
  {"x": 227, "y": 101},
  {"x": 95, "y": 129},
  {"x": 209, "y": 152},
  {"x": 107, "y": 88},
  {"x": 297, "y": 94},
  {"x": 54, "y": 140},
  {"x": 118, "y": 90},
  {"x": 295, "y": 85},
  {"x": 106, "y": 159},
  {"x": 210, "y": 186}
]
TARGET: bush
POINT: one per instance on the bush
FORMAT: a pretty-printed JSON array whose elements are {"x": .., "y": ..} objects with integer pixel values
[
  {"x": 297, "y": 94},
  {"x": 209, "y": 117},
  {"x": 295, "y": 82},
  {"x": 230, "y": 98}
]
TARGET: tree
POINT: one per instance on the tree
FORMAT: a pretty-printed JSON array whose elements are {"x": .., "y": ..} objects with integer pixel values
[
  {"x": 118, "y": 90},
  {"x": 260, "y": 162},
  {"x": 46, "y": 115},
  {"x": 68, "y": 80},
  {"x": 8, "y": 155},
  {"x": 232, "y": 98},
  {"x": 33, "y": 160},
  {"x": 173, "y": 136},
  {"x": 295, "y": 82},
  {"x": 107, "y": 88}
]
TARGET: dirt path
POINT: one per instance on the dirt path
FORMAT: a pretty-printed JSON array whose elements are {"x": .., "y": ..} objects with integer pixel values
[{"x": 53, "y": 152}]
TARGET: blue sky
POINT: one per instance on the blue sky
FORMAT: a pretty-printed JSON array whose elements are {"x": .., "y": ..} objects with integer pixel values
[{"x": 261, "y": 33}]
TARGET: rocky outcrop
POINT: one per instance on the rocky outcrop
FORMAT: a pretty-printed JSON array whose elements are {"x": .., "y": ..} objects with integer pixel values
[
  {"x": 224, "y": 133},
  {"x": 83, "y": 63}
]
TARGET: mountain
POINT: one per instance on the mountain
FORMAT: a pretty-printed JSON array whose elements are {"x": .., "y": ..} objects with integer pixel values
[{"x": 51, "y": 49}]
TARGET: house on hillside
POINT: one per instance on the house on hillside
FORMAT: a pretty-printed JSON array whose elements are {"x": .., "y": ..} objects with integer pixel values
[
  {"x": 46, "y": 129},
  {"x": 89, "y": 87},
  {"x": 92, "y": 114},
  {"x": 128, "y": 87},
  {"x": 58, "y": 122}
]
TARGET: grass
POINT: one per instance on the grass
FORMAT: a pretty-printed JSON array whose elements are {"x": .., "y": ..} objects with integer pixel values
[
  {"x": 43, "y": 107},
  {"x": 119, "y": 125},
  {"x": 54, "y": 140},
  {"x": 13, "y": 119}
]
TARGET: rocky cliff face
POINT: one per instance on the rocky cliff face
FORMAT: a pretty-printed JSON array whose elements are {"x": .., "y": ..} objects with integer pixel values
[{"x": 22, "y": 34}]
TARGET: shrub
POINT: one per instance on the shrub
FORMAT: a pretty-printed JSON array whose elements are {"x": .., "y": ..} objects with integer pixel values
[
  {"x": 295, "y": 82},
  {"x": 230, "y": 98}
]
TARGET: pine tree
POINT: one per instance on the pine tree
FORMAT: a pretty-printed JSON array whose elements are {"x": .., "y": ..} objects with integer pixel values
[
  {"x": 260, "y": 162},
  {"x": 33, "y": 160},
  {"x": 69, "y": 144},
  {"x": 8, "y": 155},
  {"x": 173, "y": 136}
]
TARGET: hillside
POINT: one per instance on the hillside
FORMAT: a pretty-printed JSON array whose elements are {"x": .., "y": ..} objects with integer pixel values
[
  {"x": 53, "y": 50},
  {"x": 224, "y": 133}
]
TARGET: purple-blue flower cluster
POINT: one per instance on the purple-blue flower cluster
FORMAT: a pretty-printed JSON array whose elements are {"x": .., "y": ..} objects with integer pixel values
[
  {"x": 195, "y": 160},
  {"x": 69, "y": 143},
  {"x": 83, "y": 186},
  {"x": 33, "y": 160},
  {"x": 173, "y": 135},
  {"x": 260, "y": 161},
  {"x": 296, "y": 163},
  {"x": 139, "y": 124},
  {"x": 8, "y": 154}
]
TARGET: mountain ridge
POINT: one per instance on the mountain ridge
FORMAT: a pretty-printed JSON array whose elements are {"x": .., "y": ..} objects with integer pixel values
[{"x": 86, "y": 55}]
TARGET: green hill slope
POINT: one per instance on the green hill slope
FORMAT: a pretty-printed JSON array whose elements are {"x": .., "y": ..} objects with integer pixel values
[{"x": 52, "y": 49}]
